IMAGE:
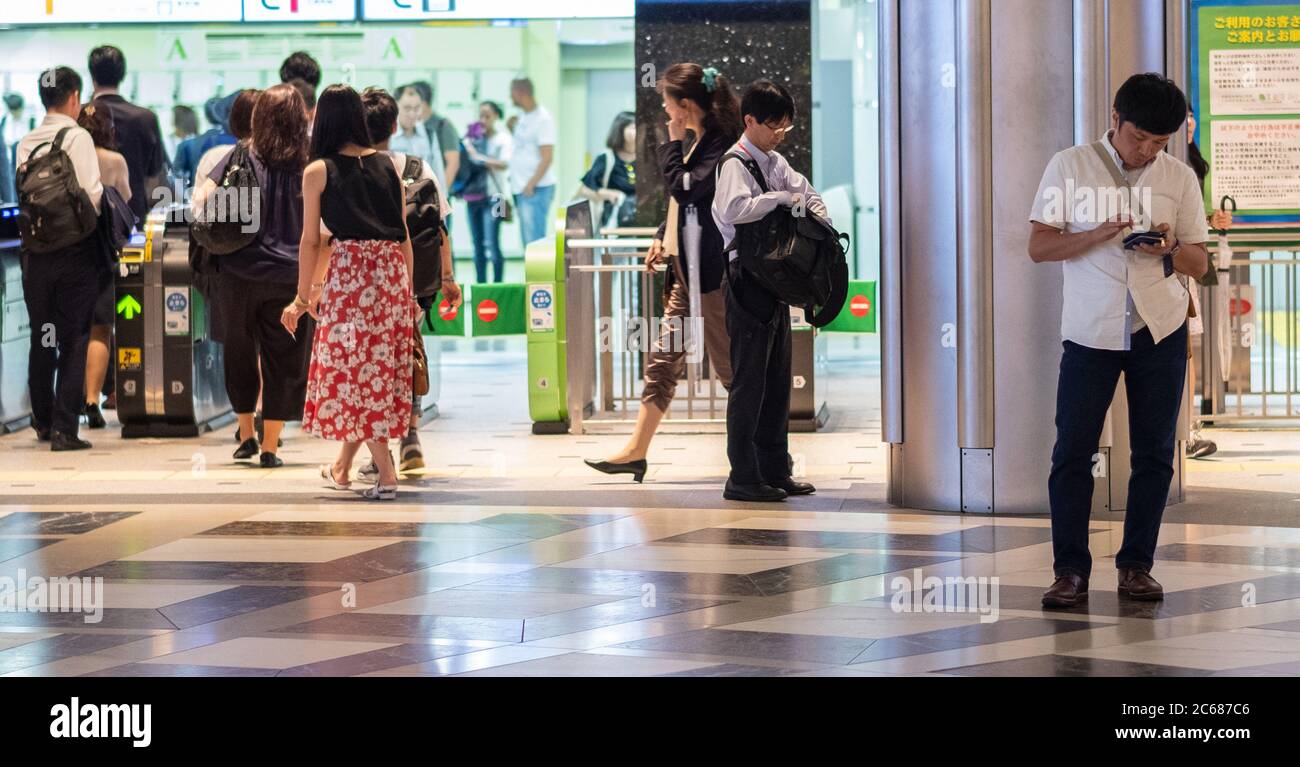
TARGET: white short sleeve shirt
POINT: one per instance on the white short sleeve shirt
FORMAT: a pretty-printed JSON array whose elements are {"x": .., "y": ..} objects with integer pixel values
[{"x": 1076, "y": 194}]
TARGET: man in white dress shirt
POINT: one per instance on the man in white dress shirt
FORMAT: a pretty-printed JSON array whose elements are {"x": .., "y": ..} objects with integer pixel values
[
  {"x": 758, "y": 403},
  {"x": 1124, "y": 311},
  {"x": 60, "y": 288}
]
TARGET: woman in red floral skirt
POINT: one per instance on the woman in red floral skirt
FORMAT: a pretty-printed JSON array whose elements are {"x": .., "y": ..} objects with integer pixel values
[{"x": 359, "y": 384}]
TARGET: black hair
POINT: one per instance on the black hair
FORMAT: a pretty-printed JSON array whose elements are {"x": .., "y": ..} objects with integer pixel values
[
  {"x": 523, "y": 83},
  {"x": 614, "y": 141},
  {"x": 185, "y": 120},
  {"x": 766, "y": 101},
  {"x": 301, "y": 66},
  {"x": 14, "y": 100},
  {"x": 1198, "y": 163},
  {"x": 340, "y": 120},
  {"x": 721, "y": 110},
  {"x": 1152, "y": 102},
  {"x": 306, "y": 90},
  {"x": 107, "y": 66},
  {"x": 57, "y": 84},
  {"x": 381, "y": 113},
  {"x": 495, "y": 107},
  {"x": 422, "y": 89}
]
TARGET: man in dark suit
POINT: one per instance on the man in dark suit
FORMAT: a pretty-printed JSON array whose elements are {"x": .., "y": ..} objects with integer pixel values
[{"x": 138, "y": 136}]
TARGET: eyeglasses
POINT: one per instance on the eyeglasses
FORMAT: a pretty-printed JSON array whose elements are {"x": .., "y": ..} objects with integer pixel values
[{"x": 780, "y": 131}]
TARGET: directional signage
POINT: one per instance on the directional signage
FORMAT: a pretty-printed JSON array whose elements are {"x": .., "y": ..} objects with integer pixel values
[{"x": 128, "y": 307}]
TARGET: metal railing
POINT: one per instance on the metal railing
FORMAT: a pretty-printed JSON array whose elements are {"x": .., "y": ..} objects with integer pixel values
[
  {"x": 1249, "y": 363},
  {"x": 616, "y": 295}
]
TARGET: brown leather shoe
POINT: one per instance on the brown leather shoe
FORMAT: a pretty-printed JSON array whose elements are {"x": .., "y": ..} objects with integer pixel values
[
  {"x": 1138, "y": 584},
  {"x": 1070, "y": 589}
]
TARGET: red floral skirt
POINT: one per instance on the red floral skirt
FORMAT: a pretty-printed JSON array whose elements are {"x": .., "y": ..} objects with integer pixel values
[{"x": 359, "y": 383}]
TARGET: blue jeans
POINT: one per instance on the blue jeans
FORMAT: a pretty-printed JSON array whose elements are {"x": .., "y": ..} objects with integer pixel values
[
  {"x": 1153, "y": 379},
  {"x": 533, "y": 212},
  {"x": 485, "y": 230}
]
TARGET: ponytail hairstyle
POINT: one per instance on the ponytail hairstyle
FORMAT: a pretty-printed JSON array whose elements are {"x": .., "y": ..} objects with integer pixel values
[{"x": 711, "y": 91}]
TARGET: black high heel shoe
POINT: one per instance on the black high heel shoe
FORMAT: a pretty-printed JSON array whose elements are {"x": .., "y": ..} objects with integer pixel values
[{"x": 635, "y": 468}]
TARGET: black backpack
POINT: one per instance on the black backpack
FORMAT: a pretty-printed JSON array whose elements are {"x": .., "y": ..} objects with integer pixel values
[
  {"x": 799, "y": 259},
  {"x": 54, "y": 212},
  {"x": 424, "y": 224},
  {"x": 217, "y": 227}
]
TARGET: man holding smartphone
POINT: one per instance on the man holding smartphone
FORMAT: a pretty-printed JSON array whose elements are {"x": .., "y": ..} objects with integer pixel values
[{"x": 1124, "y": 311}]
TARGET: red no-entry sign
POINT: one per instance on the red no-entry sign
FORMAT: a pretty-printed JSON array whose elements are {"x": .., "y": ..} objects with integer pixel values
[
  {"x": 488, "y": 310},
  {"x": 860, "y": 305},
  {"x": 446, "y": 311}
]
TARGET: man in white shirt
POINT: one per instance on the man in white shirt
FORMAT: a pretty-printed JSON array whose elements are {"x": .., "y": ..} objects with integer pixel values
[
  {"x": 1124, "y": 311},
  {"x": 60, "y": 288},
  {"x": 532, "y": 171},
  {"x": 758, "y": 403}
]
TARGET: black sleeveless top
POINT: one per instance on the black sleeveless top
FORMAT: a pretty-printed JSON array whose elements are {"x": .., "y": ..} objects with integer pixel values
[{"x": 363, "y": 198}]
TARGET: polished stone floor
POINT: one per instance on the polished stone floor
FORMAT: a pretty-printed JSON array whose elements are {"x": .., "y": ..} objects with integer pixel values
[{"x": 508, "y": 557}]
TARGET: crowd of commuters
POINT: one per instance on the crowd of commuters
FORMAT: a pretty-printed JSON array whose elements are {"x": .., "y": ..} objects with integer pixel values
[{"x": 319, "y": 312}]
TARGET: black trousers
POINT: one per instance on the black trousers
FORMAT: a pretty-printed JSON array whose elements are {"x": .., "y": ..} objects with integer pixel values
[
  {"x": 1153, "y": 381},
  {"x": 60, "y": 290},
  {"x": 758, "y": 404},
  {"x": 254, "y": 336}
]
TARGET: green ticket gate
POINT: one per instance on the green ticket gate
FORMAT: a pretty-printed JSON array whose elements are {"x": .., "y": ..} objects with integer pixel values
[
  {"x": 170, "y": 379},
  {"x": 544, "y": 290},
  {"x": 565, "y": 324}
]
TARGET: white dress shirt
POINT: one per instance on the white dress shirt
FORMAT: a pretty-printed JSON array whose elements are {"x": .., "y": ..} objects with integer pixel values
[
  {"x": 77, "y": 144},
  {"x": 738, "y": 199},
  {"x": 1105, "y": 285}
]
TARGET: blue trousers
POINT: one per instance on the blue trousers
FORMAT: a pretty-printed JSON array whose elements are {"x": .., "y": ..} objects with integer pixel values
[{"x": 1153, "y": 379}]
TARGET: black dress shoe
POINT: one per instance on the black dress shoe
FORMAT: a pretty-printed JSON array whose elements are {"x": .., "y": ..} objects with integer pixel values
[
  {"x": 42, "y": 435},
  {"x": 792, "y": 487},
  {"x": 635, "y": 468},
  {"x": 760, "y": 493},
  {"x": 1138, "y": 584},
  {"x": 60, "y": 441},
  {"x": 94, "y": 418},
  {"x": 1069, "y": 590},
  {"x": 247, "y": 449},
  {"x": 270, "y": 461}
]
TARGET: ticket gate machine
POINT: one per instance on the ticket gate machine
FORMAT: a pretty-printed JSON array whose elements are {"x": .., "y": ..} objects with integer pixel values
[{"x": 169, "y": 370}]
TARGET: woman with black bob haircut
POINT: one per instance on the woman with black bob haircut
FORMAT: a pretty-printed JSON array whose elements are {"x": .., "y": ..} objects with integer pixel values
[
  {"x": 699, "y": 102},
  {"x": 359, "y": 289}
]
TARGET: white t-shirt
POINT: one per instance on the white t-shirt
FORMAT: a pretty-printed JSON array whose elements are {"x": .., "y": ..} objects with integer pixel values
[
  {"x": 1073, "y": 196},
  {"x": 501, "y": 146},
  {"x": 209, "y": 161},
  {"x": 534, "y": 130}
]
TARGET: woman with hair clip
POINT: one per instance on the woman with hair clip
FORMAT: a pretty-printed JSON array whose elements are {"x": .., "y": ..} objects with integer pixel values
[
  {"x": 261, "y": 357},
  {"x": 359, "y": 384},
  {"x": 699, "y": 101}
]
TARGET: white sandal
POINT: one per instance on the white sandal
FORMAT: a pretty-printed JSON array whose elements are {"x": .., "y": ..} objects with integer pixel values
[
  {"x": 380, "y": 493},
  {"x": 327, "y": 474}
]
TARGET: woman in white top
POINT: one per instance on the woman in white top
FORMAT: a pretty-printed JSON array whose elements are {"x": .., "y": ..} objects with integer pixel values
[{"x": 114, "y": 174}]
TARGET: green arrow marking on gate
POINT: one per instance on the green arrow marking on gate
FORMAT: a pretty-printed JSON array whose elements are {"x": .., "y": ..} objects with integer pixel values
[{"x": 128, "y": 306}]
